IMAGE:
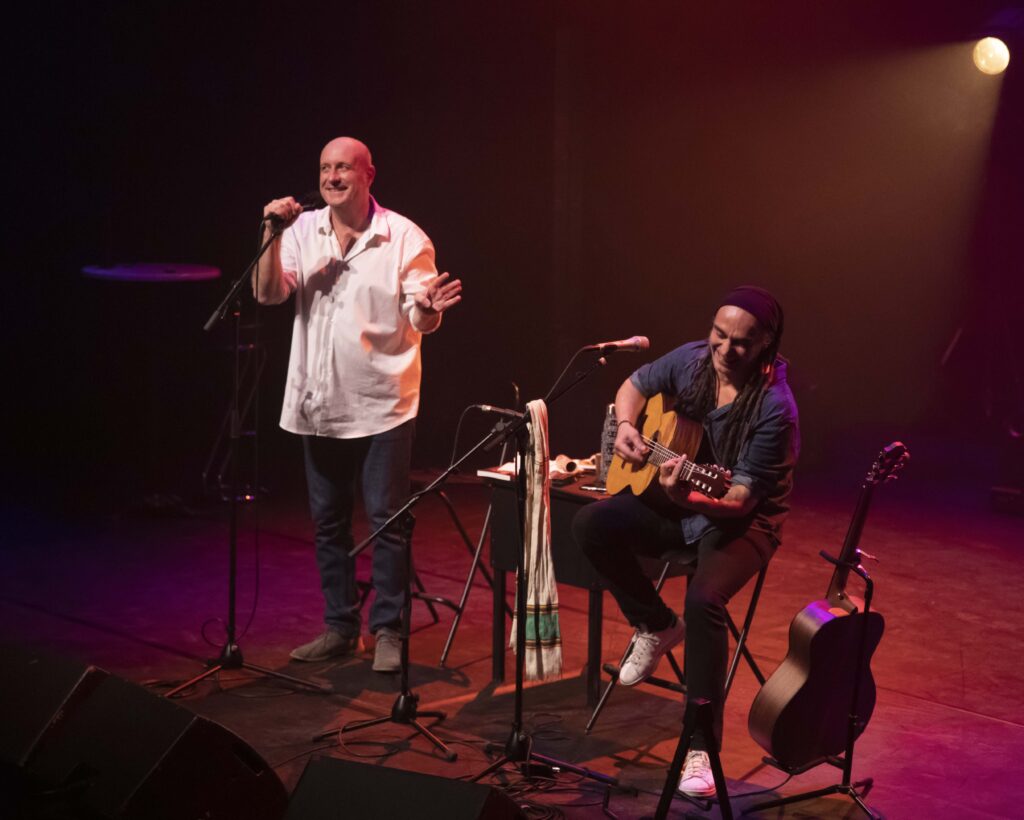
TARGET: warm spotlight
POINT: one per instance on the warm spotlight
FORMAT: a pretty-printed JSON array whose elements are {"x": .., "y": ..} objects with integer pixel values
[{"x": 991, "y": 55}]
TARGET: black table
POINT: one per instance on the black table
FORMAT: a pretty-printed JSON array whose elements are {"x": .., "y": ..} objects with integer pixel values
[{"x": 571, "y": 567}]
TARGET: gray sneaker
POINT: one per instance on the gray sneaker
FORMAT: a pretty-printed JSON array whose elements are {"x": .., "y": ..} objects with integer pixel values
[
  {"x": 387, "y": 654},
  {"x": 330, "y": 644}
]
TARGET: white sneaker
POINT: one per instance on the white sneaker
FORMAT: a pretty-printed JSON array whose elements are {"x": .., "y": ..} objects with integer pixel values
[
  {"x": 648, "y": 647},
  {"x": 697, "y": 779}
]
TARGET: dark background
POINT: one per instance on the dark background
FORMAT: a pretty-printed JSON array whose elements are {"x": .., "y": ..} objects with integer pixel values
[{"x": 591, "y": 171}]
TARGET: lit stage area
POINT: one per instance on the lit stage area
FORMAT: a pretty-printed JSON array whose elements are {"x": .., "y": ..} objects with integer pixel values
[{"x": 588, "y": 172}]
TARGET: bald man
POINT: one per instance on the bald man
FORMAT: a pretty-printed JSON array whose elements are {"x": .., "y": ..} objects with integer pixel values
[{"x": 366, "y": 290}]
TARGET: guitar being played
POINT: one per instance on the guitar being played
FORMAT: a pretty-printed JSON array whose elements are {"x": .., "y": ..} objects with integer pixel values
[{"x": 735, "y": 409}]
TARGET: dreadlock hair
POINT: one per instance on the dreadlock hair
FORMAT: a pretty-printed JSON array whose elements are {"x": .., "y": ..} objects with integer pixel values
[{"x": 701, "y": 397}]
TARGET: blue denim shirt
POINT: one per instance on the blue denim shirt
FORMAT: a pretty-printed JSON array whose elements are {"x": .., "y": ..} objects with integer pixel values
[{"x": 766, "y": 460}]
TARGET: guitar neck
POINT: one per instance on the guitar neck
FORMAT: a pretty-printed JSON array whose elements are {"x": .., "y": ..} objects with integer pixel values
[
  {"x": 660, "y": 454},
  {"x": 849, "y": 553}
]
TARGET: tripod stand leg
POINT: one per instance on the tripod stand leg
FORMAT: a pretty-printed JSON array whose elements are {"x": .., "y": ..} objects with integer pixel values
[
  {"x": 210, "y": 670},
  {"x": 449, "y": 755},
  {"x": 221, "y": 663},
  {"x": 327, "y": 690}
]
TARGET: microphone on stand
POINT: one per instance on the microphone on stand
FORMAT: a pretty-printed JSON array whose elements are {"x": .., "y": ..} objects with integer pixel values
[
  {"x": 498, "y": 411},
  {"x": 634, "y": 344}
]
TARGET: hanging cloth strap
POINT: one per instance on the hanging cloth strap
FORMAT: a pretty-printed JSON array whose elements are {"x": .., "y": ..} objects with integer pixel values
[{"x": 543, "y": 639}]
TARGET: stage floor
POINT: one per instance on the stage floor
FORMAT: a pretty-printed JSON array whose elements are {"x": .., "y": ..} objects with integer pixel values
[{"x": 144, "y": 597}]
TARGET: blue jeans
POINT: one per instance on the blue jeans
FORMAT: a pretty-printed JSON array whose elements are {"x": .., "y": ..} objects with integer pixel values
[{"x": 333, "y": 466}]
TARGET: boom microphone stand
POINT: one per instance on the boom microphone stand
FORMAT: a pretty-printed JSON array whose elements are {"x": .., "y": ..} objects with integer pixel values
[
  {"x": 231, "y": 654},
  {"x": 518, "y": 748}
]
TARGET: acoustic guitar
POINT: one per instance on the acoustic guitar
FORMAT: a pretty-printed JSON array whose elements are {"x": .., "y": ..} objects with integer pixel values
[
  {"x": 666, "y": 434},
  {"x": 801, "y": 714}
]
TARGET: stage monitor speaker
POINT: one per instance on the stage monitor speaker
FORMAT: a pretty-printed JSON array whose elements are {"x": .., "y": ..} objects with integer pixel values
[
  {"x": 36, "y": 692},
  {"x": 115, "y": 750},
  {"x": 332, "y": 789}
]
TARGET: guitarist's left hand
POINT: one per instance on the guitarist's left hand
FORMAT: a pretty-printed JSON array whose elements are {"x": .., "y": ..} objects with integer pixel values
[
  {"x": 676, "y": 488},
  {"x": 736, "y": 503}
]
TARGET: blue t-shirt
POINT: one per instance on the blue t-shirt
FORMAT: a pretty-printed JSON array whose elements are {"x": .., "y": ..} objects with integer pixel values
[{"x": 766, "y": 459}]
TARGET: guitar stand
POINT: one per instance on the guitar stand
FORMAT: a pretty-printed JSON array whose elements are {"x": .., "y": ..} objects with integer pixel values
[
  {"x": 697, "y": 716},
  {"x": 858, "y": 790}
]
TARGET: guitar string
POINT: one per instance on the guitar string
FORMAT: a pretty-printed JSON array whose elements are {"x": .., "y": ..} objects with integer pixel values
[{"x": 666, "y": 454}]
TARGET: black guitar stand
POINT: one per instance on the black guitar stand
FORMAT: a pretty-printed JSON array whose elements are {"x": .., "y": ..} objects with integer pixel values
[
  {"x": 405, "y": 710},
  {"x": 231, "y": 654},
  {"x": 858, "y": 790},
  {"x": 698, "y": 715}
]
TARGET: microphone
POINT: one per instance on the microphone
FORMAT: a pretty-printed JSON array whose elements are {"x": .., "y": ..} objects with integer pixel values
[
  {"x": 632, "y": 345},
  {"x": 309, "y": 202},
  {"x": 498, "y": 411}
]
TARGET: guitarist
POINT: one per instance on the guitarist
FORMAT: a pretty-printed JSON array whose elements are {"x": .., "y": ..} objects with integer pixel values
[{"x": 734, "y": 385}]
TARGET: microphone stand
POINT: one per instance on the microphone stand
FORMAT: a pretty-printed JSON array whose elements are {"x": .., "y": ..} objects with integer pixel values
[
  {"x": 518, "y": 748},
  {"x": 230, "y": 656},
  {"x": 405, "y": 710}
]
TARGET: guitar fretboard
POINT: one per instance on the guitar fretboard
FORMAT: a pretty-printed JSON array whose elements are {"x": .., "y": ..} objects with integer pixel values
[{"x": 660, "y": 454}]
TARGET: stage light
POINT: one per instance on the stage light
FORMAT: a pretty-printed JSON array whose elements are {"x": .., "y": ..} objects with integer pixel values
[{"x": 991, "y": 55}]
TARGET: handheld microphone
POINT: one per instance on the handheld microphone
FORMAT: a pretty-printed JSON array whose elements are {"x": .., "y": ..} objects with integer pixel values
[
  {"x": 498, "y": 411},
  {"x": 308, "y": 202},
  {"x": 633, "y": 344}
]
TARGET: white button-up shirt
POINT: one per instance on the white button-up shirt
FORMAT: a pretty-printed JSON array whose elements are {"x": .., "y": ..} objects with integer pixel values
[{"x": 354, "y": 368}]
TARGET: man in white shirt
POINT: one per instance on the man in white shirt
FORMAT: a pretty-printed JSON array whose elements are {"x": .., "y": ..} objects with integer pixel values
[{"x": 366, "y": 289}]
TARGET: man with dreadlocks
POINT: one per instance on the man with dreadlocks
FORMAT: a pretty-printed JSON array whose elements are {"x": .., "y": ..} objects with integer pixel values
[{"x": 734, "y": 385}]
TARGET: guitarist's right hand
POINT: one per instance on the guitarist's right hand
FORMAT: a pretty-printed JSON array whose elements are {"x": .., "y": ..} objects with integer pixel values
[{"x": 629, "y": 445}]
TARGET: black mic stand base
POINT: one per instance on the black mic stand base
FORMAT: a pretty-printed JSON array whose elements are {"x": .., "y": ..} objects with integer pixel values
[
  {"x": 231, "y": 658},
  {"x": 404, "y": 711},
  {"x": 517, "y": 750}
]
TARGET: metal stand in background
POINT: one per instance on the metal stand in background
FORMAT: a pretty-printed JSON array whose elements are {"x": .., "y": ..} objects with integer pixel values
[
  {"x": 485, "y": 530},
  {"x": 230, "y": 656},
  {"x": 216, "y": 475}
]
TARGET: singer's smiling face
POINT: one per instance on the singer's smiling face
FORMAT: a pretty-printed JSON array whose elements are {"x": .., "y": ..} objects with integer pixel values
[
  {"x": 736, "y": 340},
  {"x": 346, "y": 173}
]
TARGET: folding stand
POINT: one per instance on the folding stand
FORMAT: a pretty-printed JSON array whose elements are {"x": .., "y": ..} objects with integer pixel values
[
  {"x": 476, "y": 552},
  {"x": 856, "y": 791}
]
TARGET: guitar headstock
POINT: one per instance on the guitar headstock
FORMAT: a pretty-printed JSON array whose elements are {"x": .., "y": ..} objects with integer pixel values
[
  {"x": 888, "y": 463},
  {"x": 710, "y": 479}
]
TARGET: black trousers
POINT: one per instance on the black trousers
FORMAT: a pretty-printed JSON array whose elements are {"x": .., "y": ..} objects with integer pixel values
[{"x": 613, "y": 532}]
